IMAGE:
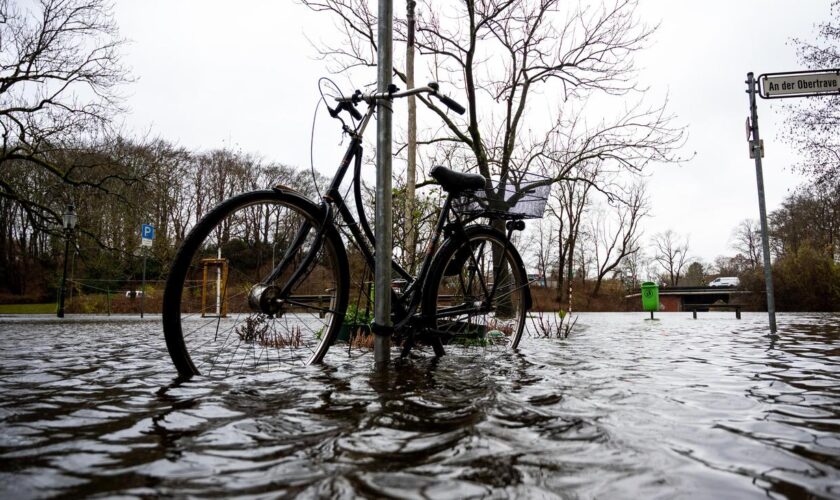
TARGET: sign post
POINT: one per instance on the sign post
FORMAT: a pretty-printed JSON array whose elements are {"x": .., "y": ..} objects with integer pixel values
[
  {"x": 780, "y": 85},
  {"x": 147, "y": 235},
  {"x": 756, "y": 151}
]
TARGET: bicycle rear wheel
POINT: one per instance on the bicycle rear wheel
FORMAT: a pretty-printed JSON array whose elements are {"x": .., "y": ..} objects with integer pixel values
[
  {"x": 477, "y": 296},
  {"x": 209, "y": 325}
]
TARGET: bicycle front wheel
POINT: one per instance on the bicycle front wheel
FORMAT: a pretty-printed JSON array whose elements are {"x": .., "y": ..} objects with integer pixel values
[
  {"x": 477, "y": 296},
  {"x": 209, "y": 324}
]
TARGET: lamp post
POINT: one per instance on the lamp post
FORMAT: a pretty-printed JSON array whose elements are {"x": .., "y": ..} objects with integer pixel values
[{"x": 68, "y": 223}]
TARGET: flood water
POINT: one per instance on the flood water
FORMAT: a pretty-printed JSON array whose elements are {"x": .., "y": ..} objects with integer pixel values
[{"x": 623, "y": 408}]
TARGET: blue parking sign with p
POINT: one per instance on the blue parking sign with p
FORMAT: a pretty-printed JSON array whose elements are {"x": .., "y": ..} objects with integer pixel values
[{"x": 147, "y": 232}]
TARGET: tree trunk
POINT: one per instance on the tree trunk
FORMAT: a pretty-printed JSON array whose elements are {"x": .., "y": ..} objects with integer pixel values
[
  {"x": 561, "y": 264},
  {"x": 570, "y": 272}
]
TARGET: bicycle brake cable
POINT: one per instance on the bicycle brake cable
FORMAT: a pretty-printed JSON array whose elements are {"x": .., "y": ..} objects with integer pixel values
[
  {"x": 312, "y": 149},
  {"x": 312, "y": 130}
]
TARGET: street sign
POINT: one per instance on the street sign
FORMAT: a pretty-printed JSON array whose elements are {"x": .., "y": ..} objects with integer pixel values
[
  {"x": 147, "y": 234},
  {"x": 749, "y": 128},
  {"x": 753, "y": 148},
  {"x": 799, "y": 84}
]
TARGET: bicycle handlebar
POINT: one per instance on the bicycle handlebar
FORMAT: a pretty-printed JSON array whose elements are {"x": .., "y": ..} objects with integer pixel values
[
  {"x": 432, "y": 88},
  {"x": 451, "y": 104},
  {"x": 347, "y": 105}
]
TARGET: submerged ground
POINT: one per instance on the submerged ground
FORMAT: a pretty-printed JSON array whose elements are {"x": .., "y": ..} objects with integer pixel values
[{"x": 623, "y": 408}]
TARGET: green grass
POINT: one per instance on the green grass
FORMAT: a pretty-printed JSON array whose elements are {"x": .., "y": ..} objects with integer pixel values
[{"x": 28, "y": 308}]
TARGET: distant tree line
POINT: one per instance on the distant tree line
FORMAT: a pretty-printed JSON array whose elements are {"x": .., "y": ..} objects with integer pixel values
[
  {"x": 60, "y": 92},
  {"x": 171, "y": 188},
  {"x": 811, "y": 124},
  {"x": 60, "y": 80},
  {"x": 805, "y": 252},
  {"x": 526, "y": 72},
  {"x": 805, "y": 243}
]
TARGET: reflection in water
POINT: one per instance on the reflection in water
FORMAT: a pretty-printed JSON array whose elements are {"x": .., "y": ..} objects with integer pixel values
[{"x": 623, "y": 408}]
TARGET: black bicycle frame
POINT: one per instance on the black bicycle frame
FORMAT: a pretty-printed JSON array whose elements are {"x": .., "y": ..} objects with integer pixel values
[
  {"x": 362, "y": 236},
  {"x": 407, "y": 303}
]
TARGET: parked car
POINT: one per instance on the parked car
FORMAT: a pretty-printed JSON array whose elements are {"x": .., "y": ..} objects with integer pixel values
[
  {"x": 130, "y": 294},
  {"x": 725, "y": 281}
]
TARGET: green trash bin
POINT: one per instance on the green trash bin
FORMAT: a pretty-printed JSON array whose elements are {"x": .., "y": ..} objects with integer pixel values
[{"x": 650, "y": 296}]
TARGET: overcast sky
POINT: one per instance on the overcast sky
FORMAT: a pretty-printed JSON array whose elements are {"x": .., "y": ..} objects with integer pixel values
[{"x": 214, "y": 73}]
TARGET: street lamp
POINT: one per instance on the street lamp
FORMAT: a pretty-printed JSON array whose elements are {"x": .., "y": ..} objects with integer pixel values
[{"x": 68, "y": 223}]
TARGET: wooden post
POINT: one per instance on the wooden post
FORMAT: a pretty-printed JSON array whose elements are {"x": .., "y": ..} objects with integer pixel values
[
  {"x": 204, "y": 290},
  {"x": 220, "y": 302}
]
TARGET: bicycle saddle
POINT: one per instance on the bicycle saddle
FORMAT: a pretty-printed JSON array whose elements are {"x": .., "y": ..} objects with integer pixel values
[{"x": 455, "y": 182}]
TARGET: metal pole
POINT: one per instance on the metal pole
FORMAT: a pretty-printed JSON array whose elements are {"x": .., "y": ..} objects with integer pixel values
[
  {"x": 60, "y": 312},
  {"x": 143, "y": 285},
  {"x": 411, "y": 148},
  {"x": 382, "y": 227},
  {"x": 755, "y": 144}
]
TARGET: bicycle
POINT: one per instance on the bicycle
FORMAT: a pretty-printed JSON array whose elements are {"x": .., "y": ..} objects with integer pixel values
[{"x": 471, "y": 292}]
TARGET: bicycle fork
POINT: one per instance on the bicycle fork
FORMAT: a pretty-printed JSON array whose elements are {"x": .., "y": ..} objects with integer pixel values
[{"x": 267, "y": 298}]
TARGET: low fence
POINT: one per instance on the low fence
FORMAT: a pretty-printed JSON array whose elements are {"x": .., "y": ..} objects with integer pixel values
[
  {"x": 114, "y": 297},
  {"x": 121, "y": 296}
]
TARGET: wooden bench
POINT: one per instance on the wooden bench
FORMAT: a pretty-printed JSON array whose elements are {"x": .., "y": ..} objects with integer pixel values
[{"x": 695, "y": 307}]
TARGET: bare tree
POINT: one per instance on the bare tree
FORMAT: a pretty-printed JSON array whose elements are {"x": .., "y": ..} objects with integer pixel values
[
  {"x": 411, "y": 147},
  {"x": 512, "y": 51},
  {"x": 615, "y": 235},
  {"x": 634, "y": 267},
  {"x": 812, "y": 123},
  {"x": 584, "y": 257},
  {"x": 730, "y": 266},
  {"x": 542, "y": 244},
  {"x": 422, "y": 211},
  {"x": 746, "y": 239},
  {"x": 59, "y": 76},
  {"x": 671, "y": 253},
  {"x": 570, "y": 200},
  {"x": 505, "y": 55}
]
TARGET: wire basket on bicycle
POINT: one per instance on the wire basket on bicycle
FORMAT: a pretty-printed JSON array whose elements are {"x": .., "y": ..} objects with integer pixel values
[{"x": 518, "y": 195}]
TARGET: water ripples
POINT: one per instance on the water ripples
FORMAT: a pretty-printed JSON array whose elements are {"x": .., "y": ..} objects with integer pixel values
[{"x": 624, "y": 408}]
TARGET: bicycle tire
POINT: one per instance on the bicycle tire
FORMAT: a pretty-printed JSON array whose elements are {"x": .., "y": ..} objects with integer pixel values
[
  {"x": 446, "y": 290},
  {"x": 280, "y": 212}
]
